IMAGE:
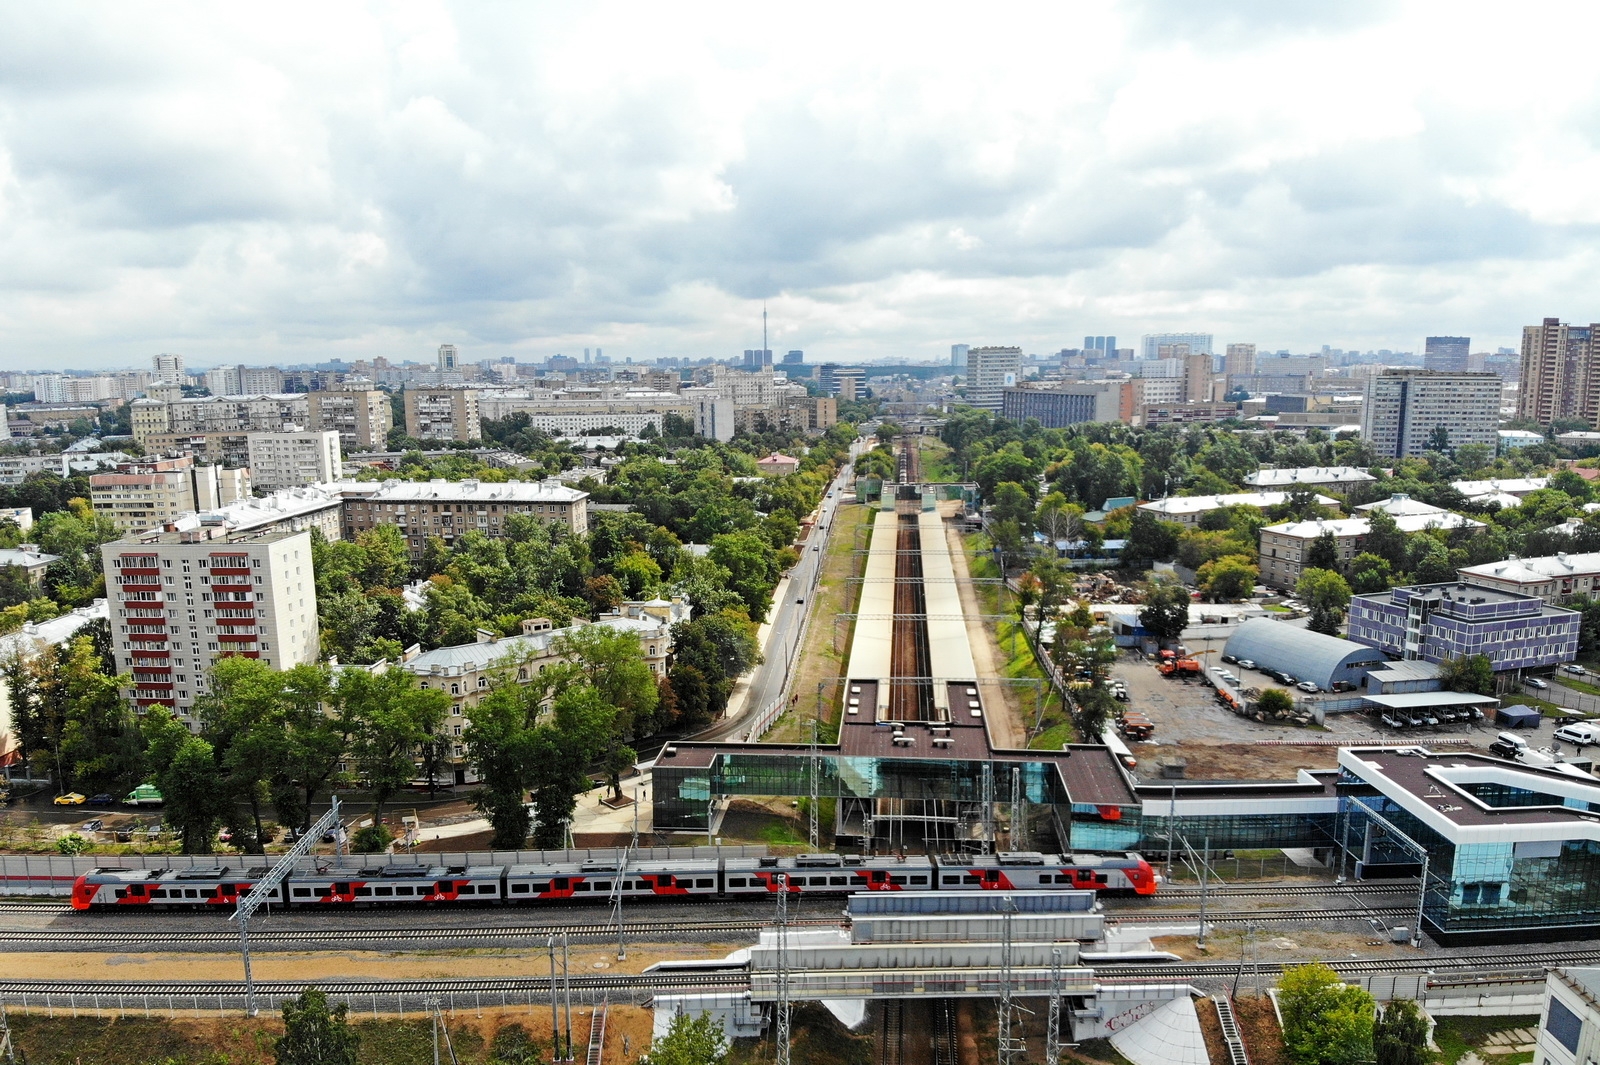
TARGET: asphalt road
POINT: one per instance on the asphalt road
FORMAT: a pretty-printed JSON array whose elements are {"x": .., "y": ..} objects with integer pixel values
[{"x": 788, "y": 619}]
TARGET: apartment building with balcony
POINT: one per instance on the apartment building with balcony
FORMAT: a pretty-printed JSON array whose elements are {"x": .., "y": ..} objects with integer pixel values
[
  {"x": 442, "y": 414},
  {"x": 295, "y": 457},
  {"x": 448, "y": 509},
  {"x": 361, "y": 417},
  {"x": 146, "y": 493}
]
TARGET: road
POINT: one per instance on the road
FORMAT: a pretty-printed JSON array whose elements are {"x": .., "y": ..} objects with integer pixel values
[{"x": 788, "y": 617}]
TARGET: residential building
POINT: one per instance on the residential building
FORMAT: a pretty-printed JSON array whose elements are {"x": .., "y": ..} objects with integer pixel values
[
  {"x": 958, "y": 355},
  {"x": 1152, "y": 343},
  {"x": 146, "y": 493},
  {"x": 361, "y": 417},
  {"x": 314, "y": 506},
  {"x": 1197, "y": 379},
  {"x": 23, "y": 644},
  {"x": 466, "y": 672},
  {"x": 776, "y": 465},
  {"x": 579, "y": 411},
  {"x": 1447, "y": 354},
  {"x": 1433, "y": 622},
  {"x": 181, "y": 600},
  {"x": 1283, "y": 547},
  {"x": 442, "y": 413},
  {"x": 21, "y": 517},
  {"x": 713, "y": 414},
  {"x": 1519, "y": 487},
  {"x": 1240, "y": 361},
  {"x": 1512, "y": 439},
  {"x": 449, "y": 359},
  {"x": 756, "y": 359},
  {"x": 991, "y": 370},
  {"x": 287, "y": 459},
  {"x": 1186, "y": 413},
  {"x": 156, "y": 420},
  {"x": 29, "y": 559},
  {"x": 797, "y": 357},
  {"x": 1186, "y": 510},
  {"x": 1063, "y": 404},
  {"x": 1407, "y": 409},
  {"x": 169, "y": 369},
  {"x": 448, "y": 509},
  {"x": 70, "y": 388},
  {"x": 1556, "y": 579},
  {"x": 244, "y": 380},
  {"x": 15, "y": 469},
  {"x": 1259, "y": 383},
  {"x": 1560, "y": 377},
  {"x": 1337, "y": 478},
  {"x": 821, "y": 413}
]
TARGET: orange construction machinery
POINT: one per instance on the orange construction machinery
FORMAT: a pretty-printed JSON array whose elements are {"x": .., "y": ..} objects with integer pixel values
[{"x": 1172, "y": 667}]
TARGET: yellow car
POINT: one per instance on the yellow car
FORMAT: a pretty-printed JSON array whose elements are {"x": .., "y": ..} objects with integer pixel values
[{"x": 71, "y": 798}]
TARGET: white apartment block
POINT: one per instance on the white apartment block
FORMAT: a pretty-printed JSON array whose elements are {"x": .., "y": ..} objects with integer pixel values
[
  {"x": 147, "y": 493},
  {"x": 447, "y": 509},
  {"x": 466, "y": 672},
  {"x": 1186, "y": 510},
  {"x": 15, "y": 469},
  {"x": 1152, "y": 343},
  {"x": 443, "y": 414},
  {"x": 179, "y": 601},
  {"x": 361, "y": 417},
  {"x": 169, "y": 368},
  {"x": 66, "y": 388},
  {"x": 238, "y": 414},
  {"x": 1405, "y": 407},
  {"x": 288, "y": 459},
  {"x": 989, "y": 371},
  {"x": 1283, "y": 547},
  {"x": 244, "y": 380},
  {"x": 579, "y": 411}
]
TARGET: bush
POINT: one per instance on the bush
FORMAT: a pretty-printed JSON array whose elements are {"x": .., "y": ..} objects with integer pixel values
[
  {"x": 72, "y": 843},
  {"x": 1275, "y": 699},
  {"x": 374, "y": 839}
]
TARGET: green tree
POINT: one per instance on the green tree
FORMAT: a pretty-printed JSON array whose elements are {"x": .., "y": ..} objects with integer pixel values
[
  {"x": 1327, "y": 595},
  {"x": 1439, "y": 440},
  {"x": 1150, "y": 539},
  {"x": 690, "y": 1041},
  {"x": 1400, "y": 1035},
  {"x": 1273, "y": 700},
  {"x": 752, "y": 569},
  {"x": 1429, "y": 561},
  {"x": 612, "y": 662},
  {"x": 1370, "y": 573},
  {"x": 1323, "y": 552},
  {"x": 392, "y": 717},
  {"x": 188, "y": 777},
  {"x": 1228, "y": 579},
  {"x": 1165, "y": 613},
  {"x": 1325, "y": 1021},
  {"x": 314, "y": 1034},
  {"x": 1385, "y": 539},
  {"x": 1467, "y": 673}
]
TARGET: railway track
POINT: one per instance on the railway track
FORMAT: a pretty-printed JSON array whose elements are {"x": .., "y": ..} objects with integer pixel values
[
  {"x": 1167, "y": 891},
  {"x": 1500, "y": 965},
  {"x": 945, "y": 1039},
  {"x": 1359, "y": 913},
  {"x": 910, "y": 660},
  {"x": 891, "y": 1036}
]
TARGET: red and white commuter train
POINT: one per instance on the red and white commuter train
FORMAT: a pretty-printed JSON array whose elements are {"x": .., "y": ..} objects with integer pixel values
[{"x": 713, "y": 878}]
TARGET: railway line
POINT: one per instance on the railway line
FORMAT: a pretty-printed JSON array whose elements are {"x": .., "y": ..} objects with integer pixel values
[{"x": 910, "y": 660}]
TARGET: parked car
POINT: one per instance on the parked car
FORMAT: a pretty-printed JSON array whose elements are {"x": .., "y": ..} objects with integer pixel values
[
  {"x": 1229, "y": 677},
  {"x": 1579, "y": 734},
  {"x": 102, "y": 798},
  {"x": 93, "y": 825},
  {"x": 1577, "y": 671},
  {"x": 1535, "y": 682},
  {"x": 1308, "y": 687},
  {"x": 1230, "y": 659},
  {"x": 71, "y": 798},
  {"x": 1247, "y": 663},
  {"x": 1285, "y": 678}
]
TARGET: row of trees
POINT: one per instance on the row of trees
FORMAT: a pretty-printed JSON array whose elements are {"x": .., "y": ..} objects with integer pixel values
[{"x": 1329, "y": 1022}]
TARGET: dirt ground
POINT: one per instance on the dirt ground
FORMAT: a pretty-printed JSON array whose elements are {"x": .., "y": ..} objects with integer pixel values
[
  {"x": 1216, "y": 1046},
  {"x": 1263, "y": 1039},
  {"x": 1235, "y": 761},
  {"x": 1291, "y": 947}
]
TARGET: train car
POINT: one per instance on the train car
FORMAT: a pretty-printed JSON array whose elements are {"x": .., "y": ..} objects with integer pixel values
[
  {"x": 1031, "y": 870},
  {"x": 167, "y": 889},
  {"x": 826, "y": 874},
  {"x": 596, "y": 880},
  {"x": 398, "y": 885}
]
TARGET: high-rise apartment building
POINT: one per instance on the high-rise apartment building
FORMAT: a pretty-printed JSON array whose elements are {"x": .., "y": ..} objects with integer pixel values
[
  {"x": 181, "y": 600},
  {"x": 794, "y": 358},
  {"x": 442, "y": 413},
  {"x": 1241, "y": 359},
  {"x": 362, "y": 418},
  {"x": 1152, "y": 343},
  {"x": 169, "y": 368},
  {"x": 1560, "y": 377},
  {"x": 1198, "y": 376},
  {"x": 244, "y": 380},
  {"x": 756, "y": 359},
  {"x": 147, "y": 493},
  {"x": 1405, "y": 408},
  {"x": 1446, "y": 354},
  {"x": 958, "y": 354},
  {"x": 1103, "y": 347},
  {"x": 284, "y": 460},
  {"x": 990, "y": 370},
  {"x": 449, "y": 358}
]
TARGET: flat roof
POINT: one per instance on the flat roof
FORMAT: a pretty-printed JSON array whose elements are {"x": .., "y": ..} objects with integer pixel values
[
  {"x": 1538, "y": 569},
  {"x": 1418, "y": 700}
]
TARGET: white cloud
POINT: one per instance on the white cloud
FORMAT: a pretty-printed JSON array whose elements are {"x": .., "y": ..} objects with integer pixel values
[{"x": 301, "y": 182}]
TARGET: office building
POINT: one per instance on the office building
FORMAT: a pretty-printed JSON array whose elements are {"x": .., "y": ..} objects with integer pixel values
[
  {"x": 450, "y": 359},
  {"x": 756, "y": 359},
  {"x": 181, "y": 600},
  {"x": 1152, "y": 343},
  {"x": 361, "y": 417},
  {"x": 1433, "y": 622},
  {"x": 1240, "y": 360},
  {"x": 1063, "y": 405},
  {"x": 1560, "y": 378},
  {"x": 991, "y": 370},
  {"x": 958, "y": 355},
  {"x": 169, "y": 369},
  {"x": 1406, "y": 409},
  {"x": 147, "y": 493},
  {"x": 442, "y": 413},
  {"x": 448, "y": 509},
  {"x": 794, "y": 358},
  {"x": 1100, "y": 347},
  {"x": 1155, "y": 414},
  {"x": 288, "y": 459},
  {"x": 1447, "y": 354}
]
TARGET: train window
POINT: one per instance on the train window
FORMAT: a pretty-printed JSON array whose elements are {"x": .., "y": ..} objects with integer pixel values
[
  {"x": 191, "y": 893},
  {"x": 1100, "y": 878},
  {"x": 1047, "y": 878},
  {"x": 838, "y": 881},
  {"x": 559, "y": 883},
  {"x": 406, "y": 890},
  {"x": 736, "y": 881},
  {"x": 952, "y": 880},
  {"x": 703, "y": 883},
  {"x": 519, "y": 889},
  {"x": 158, "y": 894},
  {"x": 121, "y": 893},
  {"x": 341, "y": 889},
  {"x": 302, "y": 893},
  {"x": 444, "y": 887},
  {"x": 969, "y": 879},
  {"x": 897, "y": 880},
  {"x": 583, "y": 887},
  {"x": 485, "y": 889},
  {"x": 602, "y": 885},
  {"x": 664, "y": 880},
  {"x": 919, "y": 880},
  {"x": 541, "y": 888},
  {"x": 381, "y": 891},
  {"x": 364, "y": 892}
]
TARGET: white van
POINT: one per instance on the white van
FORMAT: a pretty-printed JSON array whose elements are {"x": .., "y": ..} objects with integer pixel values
[
  {"x": 1579, "y": 733},
  {"x": 1511, "y": 739}
]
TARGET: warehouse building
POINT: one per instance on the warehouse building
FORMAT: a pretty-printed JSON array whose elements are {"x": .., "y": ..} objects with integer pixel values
[{"x": 1325, "y": 661}]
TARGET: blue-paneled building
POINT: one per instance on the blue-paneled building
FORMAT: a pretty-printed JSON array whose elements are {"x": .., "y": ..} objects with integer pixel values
[{"x": 1433, "y": 622}]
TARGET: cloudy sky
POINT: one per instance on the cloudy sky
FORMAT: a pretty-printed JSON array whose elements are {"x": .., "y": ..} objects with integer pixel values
[{"x": 291, "y": 183}]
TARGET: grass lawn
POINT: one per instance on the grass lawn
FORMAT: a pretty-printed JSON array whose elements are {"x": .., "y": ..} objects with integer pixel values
[
  {"x": 1457, "y": 1035},
  {"x": 1567, "y": 680},
  {"x": 936, "y": 462}
]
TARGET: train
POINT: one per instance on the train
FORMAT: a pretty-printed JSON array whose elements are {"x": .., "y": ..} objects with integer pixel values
[{"x": 596, "y": 880}]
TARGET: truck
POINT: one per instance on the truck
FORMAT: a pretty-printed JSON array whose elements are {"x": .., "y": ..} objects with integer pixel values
[
  {"x": 144, "y": 795},
  {"x": 1181, "y": 666}
]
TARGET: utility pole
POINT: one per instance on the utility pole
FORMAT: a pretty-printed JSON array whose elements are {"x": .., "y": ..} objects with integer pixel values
[
  {"x": 1052, "y": 1034},
  {"x": 1019, "y": 812},
  {"x": 988, "y": 810},
  {"x": 622, "y": 874},
  {"x": 816, "y": 771},
  {"x": 555, "y": 1005},
  {"x": 1009, "y": 1049},
  {"x": 566, "y": 993},
  {"x": 1205, "y": 875},
  {"x": 781, "y": 879}
]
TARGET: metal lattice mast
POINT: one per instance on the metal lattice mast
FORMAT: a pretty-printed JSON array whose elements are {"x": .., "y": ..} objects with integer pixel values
[
  {"x": 816, "y": 774},
  {"x": 8, "y": 1051},
  {"x": 1052, "y": 1034},
  {"x": 988, "y": 809},
  {"x": 1019, "y": 812},
  {"x": 1009, "y": 1049},
  {"x": 782, "y": 881},
  {"x": 622, "y": 873}
]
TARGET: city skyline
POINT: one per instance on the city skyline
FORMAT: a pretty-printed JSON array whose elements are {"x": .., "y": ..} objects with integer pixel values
[{"x": 258, "y": 187}]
